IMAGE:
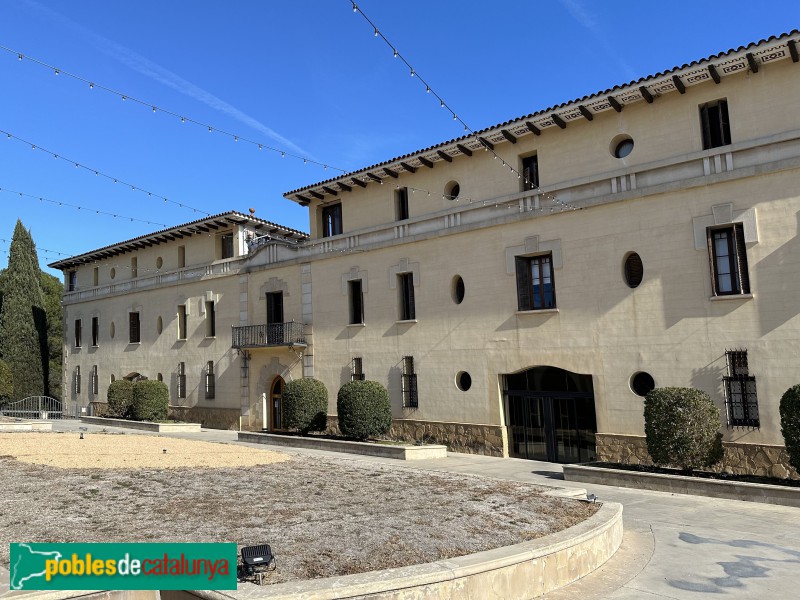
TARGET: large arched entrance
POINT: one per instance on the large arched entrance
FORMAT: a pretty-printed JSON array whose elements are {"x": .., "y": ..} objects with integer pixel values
[
  {"x": 276, "y": 404},
  {"x": 550, "y": 415}
]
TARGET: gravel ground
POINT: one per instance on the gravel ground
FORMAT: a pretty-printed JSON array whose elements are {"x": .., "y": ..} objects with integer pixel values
[{"x": 322, "y": 517}]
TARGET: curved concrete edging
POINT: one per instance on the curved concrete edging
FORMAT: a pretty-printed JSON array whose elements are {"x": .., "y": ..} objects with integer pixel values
[
  {"x": 521, "y": 571},
  {"x": 12, "y": 426}
]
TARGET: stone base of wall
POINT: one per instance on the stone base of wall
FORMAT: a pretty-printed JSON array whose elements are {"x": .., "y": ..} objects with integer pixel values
[
  {"x": 467, "y": 438},
  {"x": 210, "y": 418},
  {"x": 739, "y": 459}
]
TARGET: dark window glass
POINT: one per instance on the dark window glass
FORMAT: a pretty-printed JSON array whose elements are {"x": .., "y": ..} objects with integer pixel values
[
  {"x": 133, "y": 328},
  {"x": 72, "y": 281},
  {"x": 182, "y": 322},
  {"x": 624, "y": 148},
  {"x": 406, "y": 285},
  {"x": 728, "y": 260},
  {"x": 77, "y": 333},
  {"x": 331, "y": 220},
  {"x": 715, "y": 124},
  {"x": 211, "y": 320},
  {"x": 95, "y": 331},
  {"x": 642, "y": 384},
  {"x": 530, "y": 172},
  {"x": 357, "y": 370},
  {"x": 463, "y": 381},
  {"x": 356, "y": 301},
  {"x": 95, "y": 384},
  {"x": 227, "y": 245},
  {"x": 181, "y": 380},
  {"x": 210, "y": 381},
  {"x": 274, "y": 308},
  {"x": 634, "y": 270},
  {"x": 741, "y": 398},
  {"x": 77, "y": 381},
  {"x": 458, "y": 290},
  {"x": 401, "y": 203},
  {"x": 409, "y": 383},
  {"x": 535, "y": 286}
]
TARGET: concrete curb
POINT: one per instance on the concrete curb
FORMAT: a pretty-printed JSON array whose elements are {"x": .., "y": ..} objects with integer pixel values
[
  {"x": 366, "y": 448},
  {"x": 520, "y": 571},
  {"x": 681, "y": 484},
  {"x": 144, "y": 425},
  {"x": 6, "y": 427}
]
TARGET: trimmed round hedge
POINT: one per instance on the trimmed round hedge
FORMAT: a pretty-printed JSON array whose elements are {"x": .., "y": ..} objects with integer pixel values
[
  {"x": 790, "y": 424},
  {"x": 120, "y": 397},
  {"x": 364, "y": 409},
  {"x": 305, "y": 405},
  {"x": 682, "y": 428},
  {"x": 150, "y": 401}
]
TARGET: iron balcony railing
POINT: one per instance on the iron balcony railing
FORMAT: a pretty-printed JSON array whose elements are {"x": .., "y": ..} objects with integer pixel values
[{"x": 264, "y": 336}]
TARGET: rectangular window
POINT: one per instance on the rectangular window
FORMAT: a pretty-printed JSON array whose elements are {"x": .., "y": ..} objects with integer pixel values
[
  {"x": 134, "y": 267},
  {"x": 741, "y": 399},
  {"x": 181, "y": 256},
  {"x": 536, "y": 288},
  {"x": 95, "y": 384},
  {"x": 210, "y": 381},
  {"x": 409, "y": 383},
  {"x": 96, "y": 276},
  {"x": 181, "y": 380},
  {"x": 530, "y": 172},
  {"x": 401, "y": 203},
  {"x": 274, "y": 308},
  {"x": 405, "y": 285},
  {"x": 356, "y": 301},
  {"x": 226, "y": 242},
  {"x": 77, "y": 333},
  {"x": 72, "y": 281},
  {"x": 211, "y": 320},
  {"x": 95, "y": 331},
  {"x": 133, "y": 328},
  {"x": 728, "y": 260},
  {"x": 77, "y": 380},
  {"x": 715, "y": 124},
  {"x": 357, "y": 370},
  {"x": 331, "y": 220},
  {"x": 182, "y": 321}
]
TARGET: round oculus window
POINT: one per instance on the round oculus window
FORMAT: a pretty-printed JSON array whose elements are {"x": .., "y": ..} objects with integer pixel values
[
  {"x": 452, "y": 190},
  {"x": 621, "y": 146},
  {"x": 633, "y": 269},
  {"x": 113, "y": 272},
  {"x": 642, "y": 383},
  {"x": 160, "y": 325},
  {"x": 112, "y": 329},
  {"x": 458, "y": 289},
  {"x": 463, "y": 381},
  {"x": 159, "y": 262}
]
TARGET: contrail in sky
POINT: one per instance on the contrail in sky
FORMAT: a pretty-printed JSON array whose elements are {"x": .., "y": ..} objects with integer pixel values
[{"x": 156, "y": 72}]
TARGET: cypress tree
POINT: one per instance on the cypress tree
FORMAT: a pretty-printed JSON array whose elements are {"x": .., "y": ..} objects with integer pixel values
[
  {"x": 23, "y": 326},
  {"x": 53, "y": 290}
]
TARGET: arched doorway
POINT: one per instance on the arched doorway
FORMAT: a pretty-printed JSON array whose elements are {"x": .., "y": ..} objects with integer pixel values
[
  {"x": 550, "y": 415},
  {"x": 276, "y": 402}
]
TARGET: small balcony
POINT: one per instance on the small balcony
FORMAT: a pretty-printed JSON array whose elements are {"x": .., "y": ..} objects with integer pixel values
[{"x": 266, "y": 336}]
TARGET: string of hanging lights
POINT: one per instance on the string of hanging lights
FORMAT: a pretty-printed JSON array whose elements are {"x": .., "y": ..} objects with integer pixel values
[
  {"x": 450, "y": 110},
  {"x": 158, "y": 109},
  {"x": 99, "y": 173},
  {"x": 38, "y": 249},
  {"x": 77, "y": 207}
]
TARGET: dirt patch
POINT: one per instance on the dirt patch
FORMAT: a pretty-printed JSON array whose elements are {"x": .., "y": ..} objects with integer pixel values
[
  {"x": 322, "y": 517},
  {"x": 105, "y": 450}
]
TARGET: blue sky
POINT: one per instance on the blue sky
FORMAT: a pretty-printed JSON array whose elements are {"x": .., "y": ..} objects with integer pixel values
[{"x": 304, "y": 76}]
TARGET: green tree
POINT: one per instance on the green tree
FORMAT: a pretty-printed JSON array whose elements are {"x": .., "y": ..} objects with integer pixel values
[
  {"x": 23, "y": 324},
  {"x": 790, "y": 424},
  {"x": 53, "y": 290},
  {"x": 6, "y": 382}
]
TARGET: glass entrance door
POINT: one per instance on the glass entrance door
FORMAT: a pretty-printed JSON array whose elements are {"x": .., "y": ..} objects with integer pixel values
[
  {"x": 550, "y": 427},
  {"x": 276, "y": 397}
]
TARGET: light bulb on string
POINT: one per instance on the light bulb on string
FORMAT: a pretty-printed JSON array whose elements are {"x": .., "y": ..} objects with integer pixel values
[
  {"x": 91, "y": 85},
  {"x": 395, "y": 53}
]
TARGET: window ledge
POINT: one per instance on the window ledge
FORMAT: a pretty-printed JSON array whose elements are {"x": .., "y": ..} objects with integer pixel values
[
  {"x": 356, "y": 324},
  {"x": 209, "y": 337},
  {"x": 731, "y": 297},
  {"x": 405, "y": 321},
  {"x": 537, "y": 311}
]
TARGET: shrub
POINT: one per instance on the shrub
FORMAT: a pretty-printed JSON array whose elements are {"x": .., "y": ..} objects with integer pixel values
[
  {"x": 364, "y": 409},
  {"x": 682, "y": 428},
  {"x": 120, "y": 397},
  {"x": 150, "y": 401},
  {"x": 790, "y": 424},
  {"x": 305, "y": 405}
]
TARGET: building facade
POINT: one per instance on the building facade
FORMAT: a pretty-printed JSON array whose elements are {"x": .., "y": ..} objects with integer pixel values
[{"x": 518, "y": 291}]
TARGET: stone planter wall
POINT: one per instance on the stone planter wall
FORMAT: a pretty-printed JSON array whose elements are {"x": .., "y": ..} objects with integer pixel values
[
  {"x": 467, "y": 438},
  {"x": 210, "y": 418},
  {"x": 740, "y": 459}
]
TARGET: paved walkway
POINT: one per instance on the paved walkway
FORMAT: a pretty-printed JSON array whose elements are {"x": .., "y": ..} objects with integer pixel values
[{"x": 675, "y": 546}]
